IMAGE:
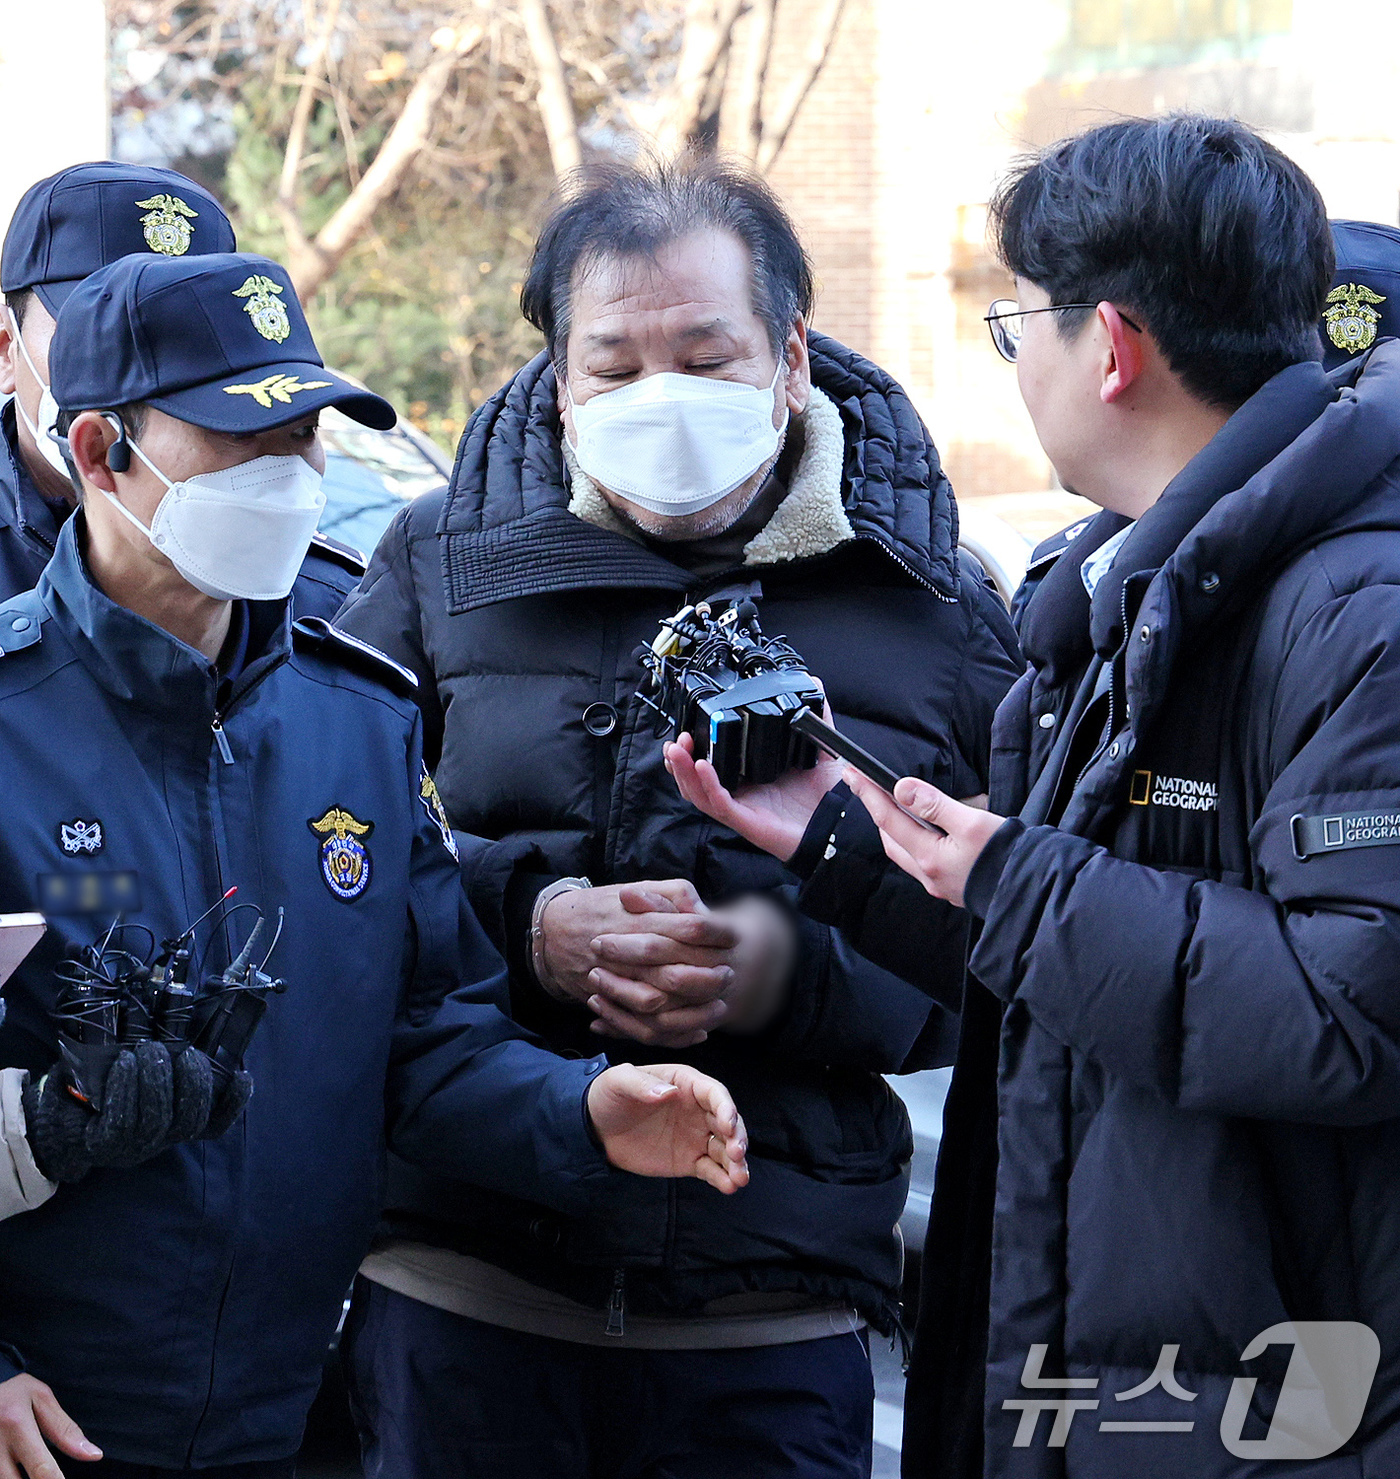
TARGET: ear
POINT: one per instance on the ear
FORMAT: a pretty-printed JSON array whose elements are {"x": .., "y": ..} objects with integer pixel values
[
  {"x": 799, "y": 366},
  {"x": 7, "y": 356},
  {"x": 89, "y": 437},
  {"x": 561, "y": 395},
  {"x": 1124, "y": 362}
]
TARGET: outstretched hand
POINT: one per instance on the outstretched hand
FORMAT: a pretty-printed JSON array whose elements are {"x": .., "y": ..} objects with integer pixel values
[
  {"x": 941, "y": 860},
  {"x": 30, "y": 1421},
  {"x": 772, "y": 817},
  {"x": 668, "y": 1120}
]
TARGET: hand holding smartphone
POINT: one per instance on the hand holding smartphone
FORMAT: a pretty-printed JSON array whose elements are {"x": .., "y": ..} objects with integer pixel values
[{"x": 835, "y": 743}]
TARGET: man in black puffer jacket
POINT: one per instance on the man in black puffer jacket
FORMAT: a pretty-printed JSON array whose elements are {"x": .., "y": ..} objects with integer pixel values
[
  {"x": 1166, "y": 1236},
  {"x": 671, "y": 1333}
]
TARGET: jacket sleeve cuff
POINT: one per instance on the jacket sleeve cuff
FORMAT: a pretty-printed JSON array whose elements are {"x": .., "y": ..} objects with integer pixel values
[
  {"x": 987, "y": 870},
  {"x": 821, "y": 831},
  {"x": 11, "y": 1362},
  {"x": 22, "y": 1185}
]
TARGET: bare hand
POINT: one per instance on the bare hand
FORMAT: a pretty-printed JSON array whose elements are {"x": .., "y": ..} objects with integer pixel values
[
  {"x": 772, "y": 817},
  {"x": 680, "y": 945},
  {"x": 668, "y": 1120},
  {"x": 651, "y": 1005},
  {"x": 29, "y": 1414},
  {"x": 940, "y": 860}
]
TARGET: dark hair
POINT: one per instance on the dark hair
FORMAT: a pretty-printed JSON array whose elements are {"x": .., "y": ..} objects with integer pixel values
[
  {"x": 622, "y": 209},
  {"x": 132, "y": 415},
  {"x": 1213, "y": 237},
  {"x": 18, "y": 304}
]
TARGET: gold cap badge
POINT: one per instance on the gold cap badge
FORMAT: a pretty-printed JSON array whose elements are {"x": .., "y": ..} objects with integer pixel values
[
  {"x": 1351, "y": 319},
  {"x": 166, "y": 224},
  {"x": 268, "y": 312}
]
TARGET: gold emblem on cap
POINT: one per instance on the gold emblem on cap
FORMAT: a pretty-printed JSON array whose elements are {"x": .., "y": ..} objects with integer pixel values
[
  {"x": 268, "y": 312},
  {"x": 1351, "y": 319},
  {"x": 167, "y": 224},
  {"x": 277, "y": 387}
]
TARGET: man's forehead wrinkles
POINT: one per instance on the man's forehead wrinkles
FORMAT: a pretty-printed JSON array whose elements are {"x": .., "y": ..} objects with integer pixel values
[{"x": 618, "y": 325}]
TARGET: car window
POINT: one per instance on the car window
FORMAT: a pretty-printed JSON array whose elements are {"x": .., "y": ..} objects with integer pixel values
[{"x": 370, "y": 475}]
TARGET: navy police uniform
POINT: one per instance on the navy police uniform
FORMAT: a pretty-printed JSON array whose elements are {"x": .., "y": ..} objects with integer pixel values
[
  {"x": 64, "y": 228},
  {"x": 181, "y": 1309}
]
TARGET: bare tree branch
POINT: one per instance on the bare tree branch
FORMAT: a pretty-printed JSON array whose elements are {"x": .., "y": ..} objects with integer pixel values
[
  {"x": 705, "y": 41},
  {"x": 556, "y": 104},
  {"x": 312, "y": 265},
  {"x": 748, "y": 101},
  {"x": 775, "y": 131},
  {"x": 301, "y": 117}
]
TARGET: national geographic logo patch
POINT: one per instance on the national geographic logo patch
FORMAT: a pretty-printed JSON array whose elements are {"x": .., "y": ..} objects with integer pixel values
[
  {"x": 1150, "y": 789},
  {"x": 1344, "y": 831}
]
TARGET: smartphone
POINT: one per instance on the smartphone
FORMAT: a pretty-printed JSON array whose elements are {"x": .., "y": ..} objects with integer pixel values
[{"x": 835, "y": 743}]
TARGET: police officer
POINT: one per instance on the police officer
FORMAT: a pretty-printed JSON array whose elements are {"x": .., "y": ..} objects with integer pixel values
[
  {"x": 64, "y": 228},
  {"x": 175, "y": 1297}
]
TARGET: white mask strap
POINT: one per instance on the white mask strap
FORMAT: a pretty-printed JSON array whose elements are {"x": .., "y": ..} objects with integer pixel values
[
  {"x": 18, "y": 337},
  {"x": 147, "y": 461},
  {"x": 23, "y": 349},
  {"x": 116, "y": 502}
]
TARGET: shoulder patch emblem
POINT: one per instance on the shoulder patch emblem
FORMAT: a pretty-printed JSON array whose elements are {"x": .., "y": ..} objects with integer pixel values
[
  {"x": 166, "y": 224},
  {"x": 345, "y": 860},
  {"x": 437, "y": 813},
  {"x": 265, "y": 308},
  {"x": 1351, "y": 317},
  {"x": 277, "y": 387},
  {"x": 79, "y": 836}
]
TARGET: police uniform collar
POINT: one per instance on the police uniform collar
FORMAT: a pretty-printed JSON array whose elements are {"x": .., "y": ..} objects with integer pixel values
[{"x": 137, "y": 661}]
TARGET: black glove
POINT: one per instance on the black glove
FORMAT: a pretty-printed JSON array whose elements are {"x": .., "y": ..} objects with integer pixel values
[
  {"x": 229, "y": 1098},
  {"x": 149, "y": 1102}
]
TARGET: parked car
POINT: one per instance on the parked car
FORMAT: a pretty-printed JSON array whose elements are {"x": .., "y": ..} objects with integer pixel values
[{"x": 370, "y": 475}]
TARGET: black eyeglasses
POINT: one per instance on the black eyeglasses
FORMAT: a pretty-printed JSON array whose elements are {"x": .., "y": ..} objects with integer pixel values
[{"x": 1004, "y": 317}]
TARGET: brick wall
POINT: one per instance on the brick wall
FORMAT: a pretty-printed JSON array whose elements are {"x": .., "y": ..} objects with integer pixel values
[{"x": 826, "y": 173}]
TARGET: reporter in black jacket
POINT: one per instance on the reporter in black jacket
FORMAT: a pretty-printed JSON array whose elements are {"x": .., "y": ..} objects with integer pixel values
[
  {"x": 720, "y": 1339},
  {"x": 1174, "y": 1128}
]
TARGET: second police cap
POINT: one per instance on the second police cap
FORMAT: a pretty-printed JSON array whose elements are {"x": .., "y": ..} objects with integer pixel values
[
  {"x": 90, "y": 215},
  {"x": 1364, "y": 303},
  {"x": 219, "y": 341}
]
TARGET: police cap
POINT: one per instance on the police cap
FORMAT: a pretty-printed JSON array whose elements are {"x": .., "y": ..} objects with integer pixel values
[
  {"x": 89, "y": 215},
  {"x": 219, "y": 341},
  {"x": 1364, "y": 304}
]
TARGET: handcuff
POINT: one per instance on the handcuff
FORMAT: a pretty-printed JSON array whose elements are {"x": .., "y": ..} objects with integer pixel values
[{"x": 543, "y": 899}]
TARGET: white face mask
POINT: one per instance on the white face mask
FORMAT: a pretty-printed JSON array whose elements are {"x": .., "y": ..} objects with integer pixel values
[
  {"x": 48, "y": 409},
  {"x": 676, "y": 444},
  {"x": 240, "y": 533}
]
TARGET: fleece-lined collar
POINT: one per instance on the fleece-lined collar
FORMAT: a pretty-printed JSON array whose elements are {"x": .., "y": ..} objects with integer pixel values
[{"x": 810, "y": 520}]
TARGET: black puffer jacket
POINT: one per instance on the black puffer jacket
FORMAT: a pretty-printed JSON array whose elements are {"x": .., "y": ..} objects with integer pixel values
[
  {"x": 523, "y": 622},
  {"x": 29, "y": 527},
  {"x": 1190, "y": 982}
]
